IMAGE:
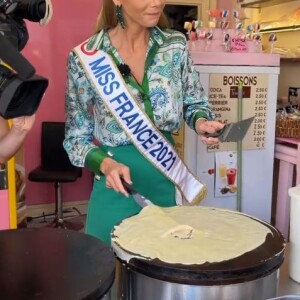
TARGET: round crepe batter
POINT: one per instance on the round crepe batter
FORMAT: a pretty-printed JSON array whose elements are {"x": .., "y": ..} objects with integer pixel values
[{"x": 189, "y": 234}]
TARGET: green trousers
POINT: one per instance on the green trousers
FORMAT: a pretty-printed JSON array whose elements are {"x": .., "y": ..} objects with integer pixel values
[{"x": 108, "y": 208}]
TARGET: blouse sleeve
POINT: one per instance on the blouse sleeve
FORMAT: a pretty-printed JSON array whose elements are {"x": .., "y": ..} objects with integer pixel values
[
  {"x": 195, "y": 102},
  {"x": 79, "y": 100}
]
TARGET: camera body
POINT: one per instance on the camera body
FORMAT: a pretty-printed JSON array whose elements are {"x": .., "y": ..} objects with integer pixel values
[
  {"x": 8, "y": 6},
  {"x": 21, "y": 90}
]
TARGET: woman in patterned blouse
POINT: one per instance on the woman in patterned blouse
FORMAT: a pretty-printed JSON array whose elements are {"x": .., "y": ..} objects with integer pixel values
[{"x": 159, "y": 74}]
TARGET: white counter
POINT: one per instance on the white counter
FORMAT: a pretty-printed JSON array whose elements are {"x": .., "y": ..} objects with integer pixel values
[{"x": 235, "y": 59}]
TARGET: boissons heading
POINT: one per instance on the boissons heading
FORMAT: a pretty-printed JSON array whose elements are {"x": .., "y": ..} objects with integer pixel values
[{"x": 235, "y": 80}]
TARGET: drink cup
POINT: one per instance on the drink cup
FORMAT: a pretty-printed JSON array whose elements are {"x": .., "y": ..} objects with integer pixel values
[
  {"x": 222, "y": 170},
  {"x": 231, "y": 176}
]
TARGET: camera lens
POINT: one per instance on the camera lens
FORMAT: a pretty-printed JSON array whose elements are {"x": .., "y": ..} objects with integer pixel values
[
  {"x": 32, "y": 10},
  {"x": 8, "y": 6}
]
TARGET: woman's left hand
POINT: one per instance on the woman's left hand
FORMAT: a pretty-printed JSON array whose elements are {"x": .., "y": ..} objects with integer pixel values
[{"x": 204, "y": 126}]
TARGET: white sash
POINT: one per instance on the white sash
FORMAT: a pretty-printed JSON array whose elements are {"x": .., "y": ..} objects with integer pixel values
[{"x": 110, "y": 85}]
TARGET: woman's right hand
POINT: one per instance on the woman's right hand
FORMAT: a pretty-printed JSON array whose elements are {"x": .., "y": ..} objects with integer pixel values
[{"x": 113, "y": 171}]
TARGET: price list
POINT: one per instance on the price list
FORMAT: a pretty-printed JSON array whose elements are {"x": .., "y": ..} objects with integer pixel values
[
  {"x": 260, "y": 109},
  {"x": 223, "y": 96}
]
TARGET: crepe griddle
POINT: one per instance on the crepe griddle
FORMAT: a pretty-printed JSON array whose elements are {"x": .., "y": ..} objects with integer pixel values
[{"x": 252, "y": 265}]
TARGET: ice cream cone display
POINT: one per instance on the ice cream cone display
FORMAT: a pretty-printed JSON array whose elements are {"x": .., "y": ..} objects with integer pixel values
[
  {"x": 272, "y": 40},
  {"x": 224, "y": 14},
  {"x": 256, "y": 27},
  {"x": 227, "y": 31},
  {"x": 257, "y": 42},
  {"x": 238, "y": 28},
  {"x": 224, "y": 25},
  {"x": 249, "y": 31},
  {"x": 226, "y": 42},
  {"x": 236, "y": 15},
  {"x": 257, "y": 36},
  {"x": 198, "y": 27},
  {"x": 188, "y": 27},
  {"x": 214, "y": 15},
  {"x": 208, "y": 37},
  {"x": 238, "y": 23},
  {"x": 202, "y": 34},
  {"x": 193, "y": 39}
]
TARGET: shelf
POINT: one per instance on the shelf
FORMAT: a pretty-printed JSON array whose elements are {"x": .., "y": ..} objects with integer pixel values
[
  {"x": 290, "y": 59},
  {"x": 281, "y": 29},
  {"x": 264, "y": 3}
]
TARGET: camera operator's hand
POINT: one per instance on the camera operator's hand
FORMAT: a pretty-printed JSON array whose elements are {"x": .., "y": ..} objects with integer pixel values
[
  {"x": 12, "y": 138},
  {"x": 23, "y": 124}
]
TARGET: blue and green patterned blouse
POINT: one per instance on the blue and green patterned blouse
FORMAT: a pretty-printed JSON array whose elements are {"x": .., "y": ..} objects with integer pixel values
[{"x": 173, "y": 91}]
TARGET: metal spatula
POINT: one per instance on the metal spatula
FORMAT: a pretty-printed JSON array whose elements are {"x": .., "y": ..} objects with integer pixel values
[
  {"x": 139, "y": 199},
  {"x": 232, "y": 132}
]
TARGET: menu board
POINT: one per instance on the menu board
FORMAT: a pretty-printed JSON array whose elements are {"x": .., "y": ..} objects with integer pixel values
[{"x": 223, "y": 96}]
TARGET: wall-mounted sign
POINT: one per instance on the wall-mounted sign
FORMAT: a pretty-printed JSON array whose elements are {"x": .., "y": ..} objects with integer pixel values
[{"x": 223, "y": 96}]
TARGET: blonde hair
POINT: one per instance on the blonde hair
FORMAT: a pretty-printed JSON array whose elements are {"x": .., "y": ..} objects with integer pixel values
[{"x": 107, "y": 17}]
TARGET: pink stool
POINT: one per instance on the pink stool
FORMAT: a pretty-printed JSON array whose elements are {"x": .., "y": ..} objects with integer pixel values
[{"x": 287, "y": 150}]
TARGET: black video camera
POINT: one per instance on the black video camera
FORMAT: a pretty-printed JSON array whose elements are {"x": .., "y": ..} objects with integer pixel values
[{"x": 21, "y": 90}]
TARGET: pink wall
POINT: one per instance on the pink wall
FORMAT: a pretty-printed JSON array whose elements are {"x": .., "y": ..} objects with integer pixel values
[
  {"x": 226, "y": 4},
  {"x": 47, "y": 49}
]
